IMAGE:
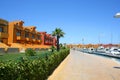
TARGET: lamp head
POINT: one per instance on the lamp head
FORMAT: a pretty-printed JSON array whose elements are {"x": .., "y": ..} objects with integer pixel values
[{"x": 117, "y": 15}]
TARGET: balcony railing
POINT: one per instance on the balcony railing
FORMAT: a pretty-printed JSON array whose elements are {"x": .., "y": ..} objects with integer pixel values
[
  {"x": 3, "y": 35},
  {"x": 47, "y": 42},
  {"x": 38, "y": 40},
  {"x": 20, "y": 38},
  {"x": 33, "y": 40},
  {"x": 27, "y": 39},
  {"x": 3, "y": 22}
]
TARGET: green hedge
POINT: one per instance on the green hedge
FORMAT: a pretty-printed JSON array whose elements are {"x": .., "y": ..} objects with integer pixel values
[
  {"x": 37, "y": 69},
  {"x": 30, "y": 52}
]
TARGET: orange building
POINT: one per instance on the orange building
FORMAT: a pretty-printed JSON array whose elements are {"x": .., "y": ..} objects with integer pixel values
[
  {"x": 16, "y": 32},
  {"x": 4, "y": 31},
  {"x": 32, "y": 36},
  {"x": 23, "y": 37}
]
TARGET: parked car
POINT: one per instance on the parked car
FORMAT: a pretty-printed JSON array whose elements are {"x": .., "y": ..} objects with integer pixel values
[{"x": 115, "y": 51}]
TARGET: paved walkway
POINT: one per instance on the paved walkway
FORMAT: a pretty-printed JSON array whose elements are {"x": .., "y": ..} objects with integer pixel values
[{"x": 79, "y": 66}]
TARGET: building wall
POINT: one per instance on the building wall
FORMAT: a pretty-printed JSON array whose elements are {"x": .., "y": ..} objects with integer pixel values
[
  {"x": 43, "y": 34},
  {"x": 28, "y": 35},
  {"x": 48, "y": 39},
  {"x": 17, "y": 34},
  {"x": 4, "y": 31},
  {"x": 12, "y": 30}
]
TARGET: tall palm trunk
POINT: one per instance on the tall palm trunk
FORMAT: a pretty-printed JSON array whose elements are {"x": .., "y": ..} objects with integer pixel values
[{"x": 58, "y": 43}]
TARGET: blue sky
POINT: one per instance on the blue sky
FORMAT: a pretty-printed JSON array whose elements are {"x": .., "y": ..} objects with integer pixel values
[{"x": 89, "y": 19}]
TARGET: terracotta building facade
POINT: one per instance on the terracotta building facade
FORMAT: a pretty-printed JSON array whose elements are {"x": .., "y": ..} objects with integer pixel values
[
  {"x": 23, "y": 35},
  {"x": 15, "y": 33},
  {"x": 48, "y": 39},
  {"x": 3, "y": 31}
]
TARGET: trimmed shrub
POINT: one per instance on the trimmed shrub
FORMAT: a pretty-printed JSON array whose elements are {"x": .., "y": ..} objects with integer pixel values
[
  {"x": 30, "y": 52},
  {"x": 36, "y": 69},
  {"x": 52, "y": 48}
]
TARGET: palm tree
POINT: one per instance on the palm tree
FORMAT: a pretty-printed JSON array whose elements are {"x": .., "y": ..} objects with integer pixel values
[{"x": 58, "y": 33}]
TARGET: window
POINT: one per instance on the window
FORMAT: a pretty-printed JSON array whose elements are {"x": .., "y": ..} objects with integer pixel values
[
  {"x": 18, "y": 42},
  {"x": 38, "y": 37},
  {"x": 44, "y": 37},
  {"x": 1, "y": 29},
  {"x": 26, "y": 34},
  {"x": 18, "y": 33},
  {"x": 33, "y": 36},
  {"x": 1, "y": 40}
]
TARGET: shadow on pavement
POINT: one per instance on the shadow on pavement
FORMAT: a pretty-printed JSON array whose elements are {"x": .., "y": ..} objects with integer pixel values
[{"x": 116, "y": 67}]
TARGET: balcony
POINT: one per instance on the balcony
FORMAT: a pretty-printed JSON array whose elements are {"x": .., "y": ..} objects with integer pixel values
[
  {"x": 3, "y": 22},
  {"x": 3, "y": 35},
  {"x": 51, "y": 43},
  {"x": 27, "y": 39},
  {"x": 46, "y": 42},
  {"x": 19, "y": 38},
  {"x": 38, "y": 40},
  {"x": 33, "y": 40}
]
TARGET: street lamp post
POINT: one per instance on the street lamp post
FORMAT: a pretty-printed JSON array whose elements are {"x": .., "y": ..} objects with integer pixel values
[
  {"x": 83, "y": 44},
  {"x": 117, "y": 15},
  {"x": 99, "y": 37}
]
